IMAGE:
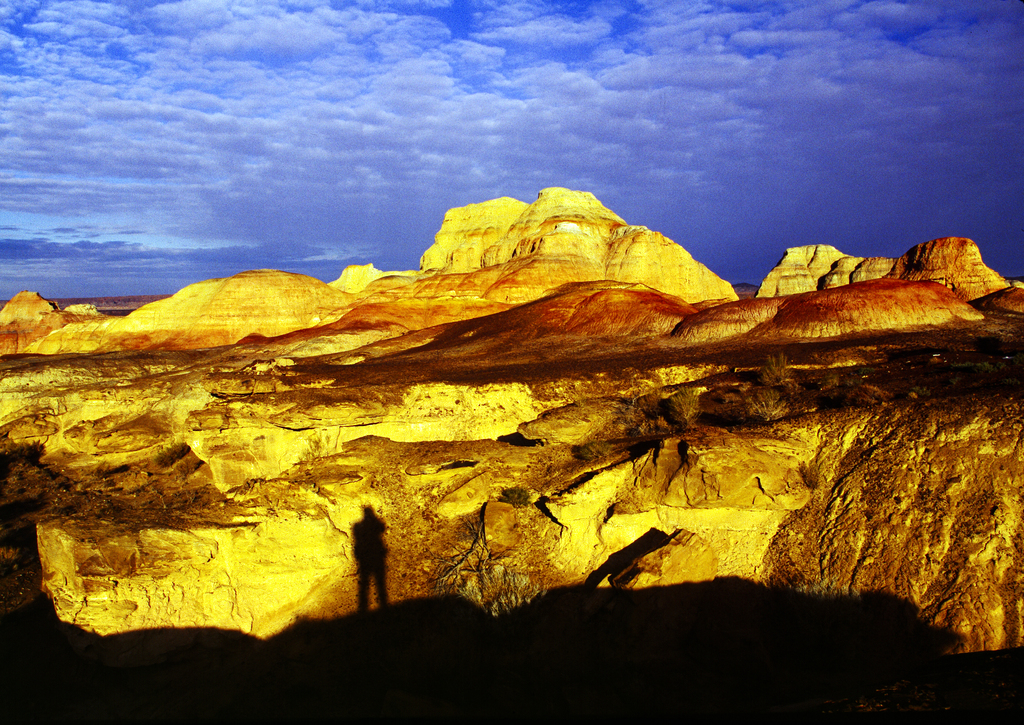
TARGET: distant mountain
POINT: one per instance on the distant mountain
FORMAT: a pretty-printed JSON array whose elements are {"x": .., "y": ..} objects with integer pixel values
[{"x": 745, "y": 290}]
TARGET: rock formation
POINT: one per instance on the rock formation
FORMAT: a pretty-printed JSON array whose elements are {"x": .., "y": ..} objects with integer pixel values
[
  {"x": 27, "y": 317},
  {"x": 873, "y": 306},
  {"x": 819, "y": 266},
  {"x": 467, "y": 231},
  {"x": 952, "y": 261},
  {"x": 799, "y": 270},
  {"x": 1010, "y": 299},
  {"x": 564, "y": 236},
  {"x": 210, "y": 313}
]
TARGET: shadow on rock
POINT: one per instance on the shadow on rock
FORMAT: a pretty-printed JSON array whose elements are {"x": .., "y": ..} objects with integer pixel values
[{"x": 725, "y": 645}]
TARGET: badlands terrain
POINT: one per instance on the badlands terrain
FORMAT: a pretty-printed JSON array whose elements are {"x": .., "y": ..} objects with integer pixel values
[{"x": 558, "y": 469}]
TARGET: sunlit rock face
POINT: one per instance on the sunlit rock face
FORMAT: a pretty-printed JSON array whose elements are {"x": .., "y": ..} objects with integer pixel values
[
  {"x": 28, "y": 317},
  {"x": 952, "y": 261},
  {"x": 564, "y": 236},
  {"x": 925, "y": 505},
  {"x": 210, "y": 313},
  {"x": 799, "y": 270},
  {"x": 356, "y": 277},
  {"x": 467, "y": 231},
  {"x": 873, "y": 306},
  {"x": 872, "y": 268}
]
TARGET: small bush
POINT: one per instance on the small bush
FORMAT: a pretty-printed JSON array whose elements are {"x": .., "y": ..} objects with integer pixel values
[
  {"x": 832, "y": 379},
  {"x": 10, "y": 557},
  {"x": 866, "y": 371},
  {"x": 518, "y": 496},
  {"x": 775, "y": 371},
  {"x": 682, "y": 407},
  {"x": 1018, "y": 359},
  {"x": 919, "y": 391},
  {"x": 315, "y": 448},
  {"x": 767, "y": 404},
  {"x": 865, "y": 395},
  {"x": 955, "y": 380},
  {"x": 29, "y": 453},
  {"x": 170, "y": 455},
  {"x": 1011, "y": 381},
  {"x": 982, "y": 368},
  {"x": 811, "y": 474},
  {"x": 593, "y": 450},
  {"x": 498, "y": 590},
  {"x": 470, "y": 571}
]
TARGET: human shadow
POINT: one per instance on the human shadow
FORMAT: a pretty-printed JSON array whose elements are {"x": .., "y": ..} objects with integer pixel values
[{"x": 371, "y": 558}]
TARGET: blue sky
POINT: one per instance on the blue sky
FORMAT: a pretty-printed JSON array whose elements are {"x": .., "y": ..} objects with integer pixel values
[{"x": 148, "y": 145}]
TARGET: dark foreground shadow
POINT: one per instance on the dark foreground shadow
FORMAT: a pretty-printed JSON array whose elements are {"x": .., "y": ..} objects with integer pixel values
[{"x": 723, "y": 646}]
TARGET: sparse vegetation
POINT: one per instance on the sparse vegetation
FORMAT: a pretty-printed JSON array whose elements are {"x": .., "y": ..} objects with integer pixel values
[
  {"x": 518, "y": 496},
  {"x": 1018, "y": 359},
  {"x": 775, "y": 371},
  {"x": 1011, "y": 381},
  {"x": 29, "y": 453},
  {"x": 10, "y": 557},
  {"x": 919, "y": 391},
  {"x": 864, "y": 395},
  {"x": 316, "y": 447},
  {"x": 979, "y": 367},
  {"x": 471, "y": 571},
  {"x": 767, "y": 404},
  {"x": 682, "y": 407},
  {"x": 593, "y": 450},
  {"x": 811, "y": 474},
  {"x": 866, "y": 371},
  {"x": 167, "y": 457}
]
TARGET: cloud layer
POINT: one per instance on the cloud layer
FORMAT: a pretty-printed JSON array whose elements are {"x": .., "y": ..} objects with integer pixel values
[{"x": 193, "y": 139}]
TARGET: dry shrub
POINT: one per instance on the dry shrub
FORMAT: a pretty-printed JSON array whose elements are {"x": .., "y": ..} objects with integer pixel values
[
  {"x": 518, "y": 496},
  {"x": 811, "y": 474},
  {"x": 775, "y": 371},
  {"x": 683, "y": 407},
  {"x": 10, "y": 557},
  {"x": 170, "y": 455},
  {"x": 865, "y": 395},
  {"x": 767, "y": 404},
  {"x": 471, "y": 571},
  {"x": 593, "y": 450}
]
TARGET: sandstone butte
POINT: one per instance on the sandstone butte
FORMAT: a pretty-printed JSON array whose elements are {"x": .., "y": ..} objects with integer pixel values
[
  {"x": 27, "y": 317},
  {"x": 952, "y": 261}
]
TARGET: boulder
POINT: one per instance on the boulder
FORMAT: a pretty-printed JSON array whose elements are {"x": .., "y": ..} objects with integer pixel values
[
  {"x": 952, "y": 261},
  {"x": 565, "y": 236},
  {"x": 28, "y": 317},
  {"x": 872, "y": 268},
  {"x": 840, "y": 272}
]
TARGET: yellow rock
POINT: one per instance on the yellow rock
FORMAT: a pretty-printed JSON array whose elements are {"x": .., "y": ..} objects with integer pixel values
[
  {"x": 467, "y": 231},
  {"x": 210, "y": 313},
  {"x": 355, "y": 278},
  {"x": 799, "y": 270}
]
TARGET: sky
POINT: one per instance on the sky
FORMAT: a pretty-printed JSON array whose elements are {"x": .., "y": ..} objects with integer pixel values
[{"x": 147, "y": 145}]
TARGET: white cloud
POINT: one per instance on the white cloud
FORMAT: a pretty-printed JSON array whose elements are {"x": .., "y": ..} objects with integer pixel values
[{"x": 287, "y": 123}]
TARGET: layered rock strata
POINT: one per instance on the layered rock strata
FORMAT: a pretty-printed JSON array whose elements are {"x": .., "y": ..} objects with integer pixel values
[
  {"x": 953, "y": 261},
  {"x": 873, "y": 306}
]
